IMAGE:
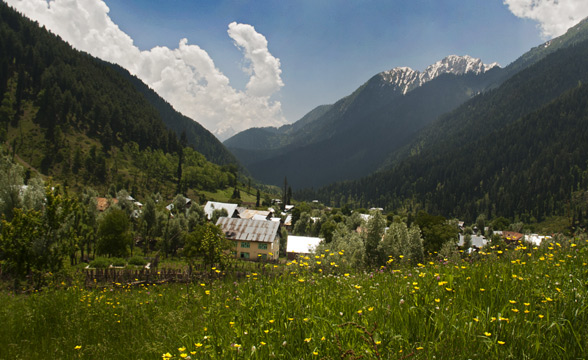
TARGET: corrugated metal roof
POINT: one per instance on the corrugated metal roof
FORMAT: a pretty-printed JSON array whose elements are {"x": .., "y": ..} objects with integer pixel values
[
  {"x": 248, "y": 230},
  {"x": 212, "y": 205},
  {"x": 250, "y": 214}
]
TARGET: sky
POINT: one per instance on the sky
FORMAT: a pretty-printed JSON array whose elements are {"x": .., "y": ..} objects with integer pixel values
[{"x": 236, "y": 64}]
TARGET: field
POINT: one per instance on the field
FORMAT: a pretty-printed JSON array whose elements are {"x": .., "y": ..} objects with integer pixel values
[{"x": 517, "y": 303}]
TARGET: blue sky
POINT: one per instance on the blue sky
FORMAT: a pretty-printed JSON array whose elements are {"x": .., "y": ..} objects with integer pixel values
[
  {"x": 258, "y": 62},
  {"x": 329, "y": 48}
]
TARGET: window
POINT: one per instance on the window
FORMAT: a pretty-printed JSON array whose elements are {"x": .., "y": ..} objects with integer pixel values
[
  {"x": 262, "y": 246},
  {"x": 234, "y": 253},
  {"x": 263, "y": 257},
  {"x": 244, "y": 244},
  {"x": 244, "y": 255}
]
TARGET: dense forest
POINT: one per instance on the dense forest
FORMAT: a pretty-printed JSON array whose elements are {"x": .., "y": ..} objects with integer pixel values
[
  {"x": 68, "y": 115},
  {"x": 518, "y": 151}
]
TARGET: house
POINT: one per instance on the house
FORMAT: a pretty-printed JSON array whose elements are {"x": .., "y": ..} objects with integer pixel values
[
  {"x": 254, "y": 214},
  {"x": 298, "y": 245},
  {"x": 477, "y": 241},
  {"x": 511, "y": 236},
  {"x": 536, "y": 239},
  {"x": 288, "y": 223},
  {"x": 212, "y": 205},
  {"x": 103, "y": 203},
  {"x": 253, "y": 239}
]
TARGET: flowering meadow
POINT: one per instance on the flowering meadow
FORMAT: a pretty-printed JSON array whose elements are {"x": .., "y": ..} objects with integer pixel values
[{"x": 518, "y": 302}]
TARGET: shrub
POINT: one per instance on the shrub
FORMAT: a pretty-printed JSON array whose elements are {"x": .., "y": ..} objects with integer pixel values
[
  {"x": 118, "y": 261},
  {"x": 137, "y": 260},
  {"x": 100, "y": 263}
]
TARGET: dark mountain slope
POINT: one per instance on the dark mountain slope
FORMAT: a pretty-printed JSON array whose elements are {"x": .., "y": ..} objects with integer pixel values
[
  {"x": 518, "y": 150},
  {"x": 354, "y": 135},
  {"x": 197, "y": 136},
  {"x": 68, "y": 115}
]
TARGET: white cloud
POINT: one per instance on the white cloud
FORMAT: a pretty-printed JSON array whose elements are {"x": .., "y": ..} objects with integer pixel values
[
  {"x": 555, "y": 17},
  {"x": 185, "y": 76},
  {"x": 265, "y": 69}
]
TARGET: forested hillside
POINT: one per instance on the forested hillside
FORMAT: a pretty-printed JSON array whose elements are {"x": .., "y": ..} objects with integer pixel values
[
  {"x": 355, "y": 135},
  {"x": 68, "y": 115},
  {"x": 197, "y": 136},
  {"x": 518, "y": 151}
]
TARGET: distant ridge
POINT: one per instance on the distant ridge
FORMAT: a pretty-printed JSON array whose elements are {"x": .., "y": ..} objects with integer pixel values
[{"x": 353, "y": 137}]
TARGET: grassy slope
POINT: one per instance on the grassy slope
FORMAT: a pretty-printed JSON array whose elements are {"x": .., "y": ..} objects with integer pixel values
[{"x": 508, "y": 303}]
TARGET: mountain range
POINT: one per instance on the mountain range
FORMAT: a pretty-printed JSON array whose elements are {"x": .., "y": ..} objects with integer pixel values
[
  {"x": 353, "y": 137},
  {"x": 517, "y": 150},
  {"x": 362, "y": 132}
]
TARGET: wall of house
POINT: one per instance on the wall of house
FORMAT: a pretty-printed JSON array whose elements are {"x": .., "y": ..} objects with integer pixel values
[{"x": 253, "y": 250}]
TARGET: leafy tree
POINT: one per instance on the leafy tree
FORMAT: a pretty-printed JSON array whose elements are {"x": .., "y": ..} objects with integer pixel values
[
  {"x": 283, "y": 241},
  {"x": 114, "y": 238},
  {"x": 348, "y": 243},
  {"x": 218, "y": 213},
  {"x": 435, "y": 230},
  {"x": 11, "y": 181},
  {"x": 148, "y": 223},
  {"x": 500, "y": 223},
  {"x": 16, "y": 243},
  {"x": 375, "y": 230},
  {"x": 304, "y": 225},
  {"x": 35, "y": 242},
  {"x": 208, "y": 244},
  {"x": 327, "y": 230}
]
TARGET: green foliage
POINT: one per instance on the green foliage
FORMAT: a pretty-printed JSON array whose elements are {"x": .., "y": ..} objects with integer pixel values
[
  {"x": 436, "y": 231},
  {"x": 119, "y": 262},
  {"x": 375, "y": 231},
  {"x": 402, "y": 243},
  {"x": 11, "y": 181},
  {"x": 114, "y": 238},
  {"x": 100, "y": 263},
  {"x": 218, "y": 213},
  {"x": 208, "y": 244},
  {"x": 137, "y": 261},
  {"x": 35, "y": 242}
]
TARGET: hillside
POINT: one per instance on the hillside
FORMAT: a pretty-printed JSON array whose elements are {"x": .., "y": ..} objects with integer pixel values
[
  {"x": 70, "y": 116},
  {"x": 352, "y": 137},
  {"x": 379, "y": 123},
  {"x": 516, "y": 151},
  {"x": 197, "y": 136}
]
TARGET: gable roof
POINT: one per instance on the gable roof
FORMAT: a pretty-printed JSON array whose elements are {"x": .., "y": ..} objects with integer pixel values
[
  {"x": 476, "y": 240},
  {"x": 249, "y": 230},
  {"x": 302, "y": 244},
  {"x": 512, "y": 236},
  {"x": 254, "y": 214},
  {"x": 212, "y": 205},
  {"x": 102, "y": 203}
]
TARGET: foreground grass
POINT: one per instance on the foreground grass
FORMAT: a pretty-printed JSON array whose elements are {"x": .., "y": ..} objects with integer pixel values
[{"x": 520, "y": 303}]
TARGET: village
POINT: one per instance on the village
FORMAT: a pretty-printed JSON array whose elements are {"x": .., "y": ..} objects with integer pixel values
[{"x": 271, "y": 235}]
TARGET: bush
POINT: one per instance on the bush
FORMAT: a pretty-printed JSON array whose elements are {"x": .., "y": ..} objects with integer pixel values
[
  {"x": 100, "y": 263},
  {"x": 118, "y": 262},
  {"x": 138, "y": 261}
]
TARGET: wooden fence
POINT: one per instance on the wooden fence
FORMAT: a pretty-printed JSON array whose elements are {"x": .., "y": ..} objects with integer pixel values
[{"x": 100, "y": 277}]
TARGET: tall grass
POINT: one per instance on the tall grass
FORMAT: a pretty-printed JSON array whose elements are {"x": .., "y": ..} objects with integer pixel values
[{"x": 519, "y": 303}]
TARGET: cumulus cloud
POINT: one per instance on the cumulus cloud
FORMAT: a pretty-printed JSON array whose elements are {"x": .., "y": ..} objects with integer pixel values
[
  {"x": 185, "y": 76},
  {"x": 555, "y": 17},
  {"x": 264, "y": 68}
]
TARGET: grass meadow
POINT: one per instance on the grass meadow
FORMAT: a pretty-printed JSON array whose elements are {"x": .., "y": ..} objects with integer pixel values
[{"x": 503, "y": 303}]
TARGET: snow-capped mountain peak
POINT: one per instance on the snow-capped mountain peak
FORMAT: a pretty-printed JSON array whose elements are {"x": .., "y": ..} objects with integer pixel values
[{"x": 407, "y": 79}]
